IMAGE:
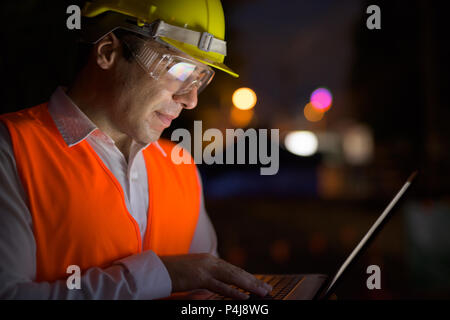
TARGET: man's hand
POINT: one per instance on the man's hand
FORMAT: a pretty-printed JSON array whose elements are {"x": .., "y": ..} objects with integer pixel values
[{"x": 204, "y": 271}]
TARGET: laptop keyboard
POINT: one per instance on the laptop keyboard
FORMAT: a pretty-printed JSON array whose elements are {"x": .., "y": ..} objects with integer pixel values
[{"x": 281, "y": 286}]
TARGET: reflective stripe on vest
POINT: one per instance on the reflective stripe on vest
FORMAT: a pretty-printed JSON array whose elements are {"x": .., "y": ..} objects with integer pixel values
[{"x": 78, "y": 206}]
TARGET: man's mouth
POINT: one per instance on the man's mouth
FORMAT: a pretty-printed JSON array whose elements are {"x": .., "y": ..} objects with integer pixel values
[{"x": 166, "y": 119}]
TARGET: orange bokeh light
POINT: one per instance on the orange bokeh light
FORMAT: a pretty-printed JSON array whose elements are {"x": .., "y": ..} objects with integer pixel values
[
  {"x": 241, "y": 118},
  {"x": 312, "y": 114}
]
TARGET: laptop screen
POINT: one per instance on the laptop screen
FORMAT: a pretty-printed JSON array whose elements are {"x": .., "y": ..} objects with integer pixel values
[{"x": 370, "y": 234}]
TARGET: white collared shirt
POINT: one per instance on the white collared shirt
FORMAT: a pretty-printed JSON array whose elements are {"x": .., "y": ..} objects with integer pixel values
[{"x": 140, "y": 276}]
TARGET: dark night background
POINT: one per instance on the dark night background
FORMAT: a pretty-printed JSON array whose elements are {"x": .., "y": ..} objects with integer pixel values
[{"x": 392, "y": 82}]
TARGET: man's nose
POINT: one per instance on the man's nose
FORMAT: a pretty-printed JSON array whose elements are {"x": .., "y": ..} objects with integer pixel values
[{"x": 188, "y": 100}]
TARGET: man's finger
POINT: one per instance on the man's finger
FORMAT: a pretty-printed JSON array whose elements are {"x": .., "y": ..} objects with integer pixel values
[
  {"x": 226, "y": 290},
  {"x": 242, "y": 279}
]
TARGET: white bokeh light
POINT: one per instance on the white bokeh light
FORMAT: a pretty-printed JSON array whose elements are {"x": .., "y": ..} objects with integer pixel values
[
  {"x": 358, "y": 145},
  {"x": 301, "y": 143}
]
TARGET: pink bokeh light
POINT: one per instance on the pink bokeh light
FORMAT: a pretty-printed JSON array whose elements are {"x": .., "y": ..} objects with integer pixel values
[{"x": 321, "y": 99}]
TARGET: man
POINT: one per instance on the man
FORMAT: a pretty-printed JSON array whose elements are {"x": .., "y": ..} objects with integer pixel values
[{"x": 87, "y": 183}]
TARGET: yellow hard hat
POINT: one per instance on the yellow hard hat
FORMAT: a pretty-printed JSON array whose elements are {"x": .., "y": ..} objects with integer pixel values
[{"x": 196, "y": 27}]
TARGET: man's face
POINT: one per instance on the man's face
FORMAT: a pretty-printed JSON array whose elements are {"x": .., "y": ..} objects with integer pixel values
[{"x": 146, "y": 106}]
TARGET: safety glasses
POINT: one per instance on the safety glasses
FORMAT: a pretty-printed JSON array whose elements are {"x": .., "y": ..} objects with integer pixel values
[{"x": 161, "y": 62}]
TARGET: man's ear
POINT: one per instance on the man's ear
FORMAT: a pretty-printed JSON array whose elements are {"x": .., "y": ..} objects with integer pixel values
[{"x": 107, "y": 51}]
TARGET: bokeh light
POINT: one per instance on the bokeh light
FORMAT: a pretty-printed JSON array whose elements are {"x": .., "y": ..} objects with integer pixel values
[
  {"x": 301, "y": 143},
  {"x": 244, "y": 98},
  {"x": 358, "y": 144},
  {"x": 331, "y": 182},
  {"x": 280, "y": 251},
  {"x": 241, "y": 118},
  {"x": 312, "y": 114},
  {"x": 237, "y": 256},
  {"x": 321, "y": 99},
  {"x": 348, "y": 236},
  {"x": 317, "y": 243}
]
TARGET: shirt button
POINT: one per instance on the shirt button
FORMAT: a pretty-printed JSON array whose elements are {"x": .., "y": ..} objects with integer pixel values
[{"x": 134, "y": 175}]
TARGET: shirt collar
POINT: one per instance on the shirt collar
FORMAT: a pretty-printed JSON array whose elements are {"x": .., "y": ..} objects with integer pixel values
[{"x": 74, "y": 125}]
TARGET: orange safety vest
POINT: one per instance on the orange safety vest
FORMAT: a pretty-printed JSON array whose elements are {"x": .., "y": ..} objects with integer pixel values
[{"x": 78, "y": 206}]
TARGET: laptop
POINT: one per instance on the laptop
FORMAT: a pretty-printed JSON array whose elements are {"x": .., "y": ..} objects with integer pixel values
[{"x": 314, "y": 286}]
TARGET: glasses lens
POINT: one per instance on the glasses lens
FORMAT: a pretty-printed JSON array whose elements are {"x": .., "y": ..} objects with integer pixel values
[
  {"x": 182, "y": 70},
  {"x": 200, "y": 78}
]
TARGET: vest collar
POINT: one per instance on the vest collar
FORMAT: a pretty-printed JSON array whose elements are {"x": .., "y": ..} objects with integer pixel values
[{"x": 74, "y": 125}]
